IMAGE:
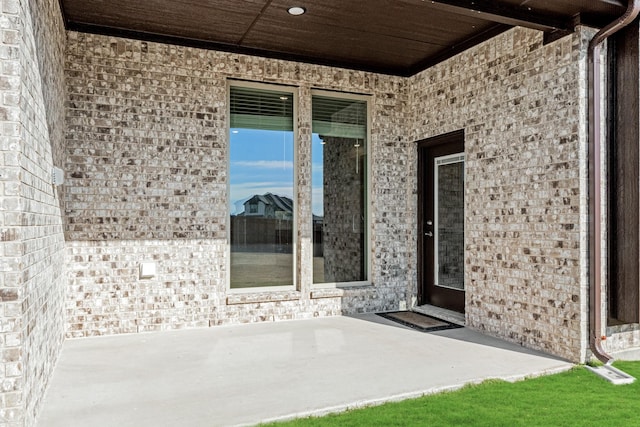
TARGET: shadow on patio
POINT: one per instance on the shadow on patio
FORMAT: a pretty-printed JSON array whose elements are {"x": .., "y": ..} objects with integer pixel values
[{"x": 245, "y": 374}]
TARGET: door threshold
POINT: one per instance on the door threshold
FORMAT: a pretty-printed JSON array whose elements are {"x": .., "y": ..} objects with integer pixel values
[{"x": 441, "y": 313}]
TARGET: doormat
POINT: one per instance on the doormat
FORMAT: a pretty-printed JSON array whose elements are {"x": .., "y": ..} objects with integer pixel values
[{"x": 419, "y": 321}]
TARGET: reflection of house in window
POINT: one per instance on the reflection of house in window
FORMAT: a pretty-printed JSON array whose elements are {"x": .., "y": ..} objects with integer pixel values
[
  {"x": 266, "y": 225},
  {"x": 269, "y": 206},
  {"x": 262, "y": 129}
]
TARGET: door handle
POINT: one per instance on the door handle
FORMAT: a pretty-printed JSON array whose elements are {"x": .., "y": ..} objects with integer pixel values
[{"x": 428, "y": 233}]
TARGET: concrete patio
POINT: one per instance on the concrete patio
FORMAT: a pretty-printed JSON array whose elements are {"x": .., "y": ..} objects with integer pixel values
[{"x": 246, "y": 374}]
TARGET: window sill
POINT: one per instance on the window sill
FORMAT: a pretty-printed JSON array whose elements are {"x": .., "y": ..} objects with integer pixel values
[
  {"x": 327, "y": 293},
  {"x": 259, "y": 297},
  {"x": 340, "y": 285},
  {"x": 335, "y": 290}
]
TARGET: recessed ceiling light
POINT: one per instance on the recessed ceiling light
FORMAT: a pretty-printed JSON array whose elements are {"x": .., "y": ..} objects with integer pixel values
[{"x": 296, "y": 10}]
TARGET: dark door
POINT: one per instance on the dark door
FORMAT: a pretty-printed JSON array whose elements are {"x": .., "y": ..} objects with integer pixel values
[{"x": 441, "y": 221}]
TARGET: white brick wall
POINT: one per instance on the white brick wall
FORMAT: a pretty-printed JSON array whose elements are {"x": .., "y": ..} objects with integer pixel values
[
  {"x": 143, "y": 142},
  {"x": 146, "y": 152},
  {"x": 31, "y": 231},
  {"x": 147, "y": 163},
  {"x": 522, "y": 106},
  {"x": 11, "y": 289}
]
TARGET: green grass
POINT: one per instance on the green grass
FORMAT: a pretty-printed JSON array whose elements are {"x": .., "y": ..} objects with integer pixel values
[{"x": 574, "y": 398}]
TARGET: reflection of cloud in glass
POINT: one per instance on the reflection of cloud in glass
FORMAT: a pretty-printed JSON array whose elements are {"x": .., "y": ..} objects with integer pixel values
[
  {"x": 317, "y": 190},
  {"x": 317, "y": 201},
  {"x": 317, "y": 176},
  {"x": 261, "y": 162},
  {"x": 265, "y": 164}
]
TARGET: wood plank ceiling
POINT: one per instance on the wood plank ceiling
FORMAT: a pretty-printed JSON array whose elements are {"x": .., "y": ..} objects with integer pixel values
[{"x": 399, "y": 37}]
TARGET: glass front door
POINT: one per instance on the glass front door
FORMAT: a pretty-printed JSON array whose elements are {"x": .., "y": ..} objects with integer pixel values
[{"x": 441, "y": 220}]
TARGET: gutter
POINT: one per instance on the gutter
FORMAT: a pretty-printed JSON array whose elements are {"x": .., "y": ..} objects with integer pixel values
[{"x": 595, "y": 178}]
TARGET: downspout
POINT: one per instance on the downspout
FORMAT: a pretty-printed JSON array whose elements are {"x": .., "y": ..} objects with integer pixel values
[{"x": 595, "y": 178}]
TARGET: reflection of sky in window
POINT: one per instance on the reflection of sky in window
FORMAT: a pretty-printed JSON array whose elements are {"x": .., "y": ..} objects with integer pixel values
[
  {"x": 317, "y": 204},
  {"x": 261, "y": 161}
]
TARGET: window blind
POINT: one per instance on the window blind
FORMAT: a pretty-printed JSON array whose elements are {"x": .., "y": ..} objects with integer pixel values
[
  {"x": 339, "y": 117},
  {"x": 261, "y": 109}
]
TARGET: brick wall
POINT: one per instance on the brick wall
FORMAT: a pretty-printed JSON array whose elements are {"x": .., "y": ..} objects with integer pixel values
[
  {"x": 32, "y": 280},
  {"x": 522, "y": 106},
  {"x": 147, "y": 164},
  {"x": 622, "y": 337},
  {"x": 146, "y": 154},
  {"x": 11, "y": 343}
]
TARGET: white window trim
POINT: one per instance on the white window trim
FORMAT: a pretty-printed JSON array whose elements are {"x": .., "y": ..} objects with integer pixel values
[
  {"x": 368, "y": 235},
  {"x": 262, "y": 289}
]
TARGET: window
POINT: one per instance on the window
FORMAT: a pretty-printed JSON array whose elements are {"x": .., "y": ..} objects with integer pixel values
[
  {"x": 261, "y": 192},
  {"x": 339, "y": 189},
  {"x": 448, "y": 221}
]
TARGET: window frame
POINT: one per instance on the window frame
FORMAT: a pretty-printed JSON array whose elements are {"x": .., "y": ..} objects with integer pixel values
[
  {"x": 368, "y": 193},
  {"x": 293, "y": 90}
]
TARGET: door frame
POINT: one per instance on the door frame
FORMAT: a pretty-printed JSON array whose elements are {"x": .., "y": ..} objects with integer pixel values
[{"x": 449, "y": 141}]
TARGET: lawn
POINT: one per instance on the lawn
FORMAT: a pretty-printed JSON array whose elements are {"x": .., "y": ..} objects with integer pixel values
[{"x": 574, "y": 398}]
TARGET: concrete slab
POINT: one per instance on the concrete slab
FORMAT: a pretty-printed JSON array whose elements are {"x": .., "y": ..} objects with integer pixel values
[{"x": 242, "y": 375}]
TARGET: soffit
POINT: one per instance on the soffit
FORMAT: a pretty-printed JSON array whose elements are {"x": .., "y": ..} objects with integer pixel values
[{"x": 398, "y": 37}]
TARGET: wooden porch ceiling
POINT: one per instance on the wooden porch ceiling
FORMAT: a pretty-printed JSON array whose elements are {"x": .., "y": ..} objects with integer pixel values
[{"x": 399, "y": 37}]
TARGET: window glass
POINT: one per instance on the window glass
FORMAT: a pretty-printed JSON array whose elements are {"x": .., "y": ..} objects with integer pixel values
[
  {"x": 261, "y": 177},
  {"x": 449, "y": 221},
  {"x": 339, "y": 197}
]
